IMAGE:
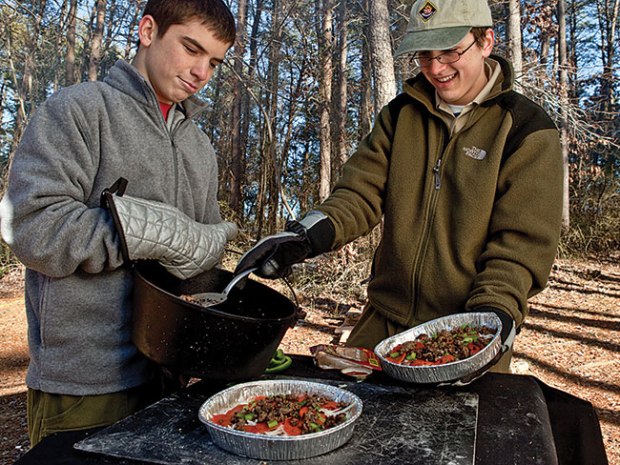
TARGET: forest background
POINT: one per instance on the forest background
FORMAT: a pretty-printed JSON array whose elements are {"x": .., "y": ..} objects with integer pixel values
[{"x": 305, "y": 79}]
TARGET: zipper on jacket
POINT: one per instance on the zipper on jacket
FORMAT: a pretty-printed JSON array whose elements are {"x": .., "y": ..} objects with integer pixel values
[
  {"x": 430, "y": 215},
  {"x": 437, "y": 174},
  {"x": 170, "y": 132},
  {"x": 175, "y": 158},
  {"x": 175, "y": 154}
]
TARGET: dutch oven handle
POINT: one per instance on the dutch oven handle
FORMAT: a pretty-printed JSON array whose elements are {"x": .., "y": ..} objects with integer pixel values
[{"x": 301, "y": 314}]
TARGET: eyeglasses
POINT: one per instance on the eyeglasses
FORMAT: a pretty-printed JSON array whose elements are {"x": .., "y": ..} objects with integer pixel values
[{"x": 422, "y": 61}]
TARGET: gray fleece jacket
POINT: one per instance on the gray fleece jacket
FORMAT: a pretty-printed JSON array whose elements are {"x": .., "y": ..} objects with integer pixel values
[{"x": 78, "y": 289}]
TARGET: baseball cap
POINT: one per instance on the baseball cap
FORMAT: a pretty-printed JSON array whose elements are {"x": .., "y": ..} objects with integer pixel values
[{"x": 441, "y": 24}]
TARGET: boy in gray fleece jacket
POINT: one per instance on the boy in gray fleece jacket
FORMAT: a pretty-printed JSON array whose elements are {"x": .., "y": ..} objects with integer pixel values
[{"x": 137, "y": 124}]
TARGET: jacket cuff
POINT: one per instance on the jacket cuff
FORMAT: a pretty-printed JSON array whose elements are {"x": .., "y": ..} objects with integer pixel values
[{"x": 320, "y": 232}]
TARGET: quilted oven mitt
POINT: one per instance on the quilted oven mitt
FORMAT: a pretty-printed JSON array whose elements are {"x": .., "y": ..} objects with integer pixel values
[{"x": 151, "y": 230}]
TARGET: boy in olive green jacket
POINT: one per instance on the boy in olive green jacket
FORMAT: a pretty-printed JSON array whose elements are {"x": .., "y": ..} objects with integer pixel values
[{"x": 467, "y": 176}]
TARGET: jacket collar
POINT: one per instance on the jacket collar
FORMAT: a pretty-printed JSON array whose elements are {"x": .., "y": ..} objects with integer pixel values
[{"x": 127, "y": 79}]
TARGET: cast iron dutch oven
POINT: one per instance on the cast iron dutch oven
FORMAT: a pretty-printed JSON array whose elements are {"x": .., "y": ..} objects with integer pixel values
[{"x": 232, "y": 341}]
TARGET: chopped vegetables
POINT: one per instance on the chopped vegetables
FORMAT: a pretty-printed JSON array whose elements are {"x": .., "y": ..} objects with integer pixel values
[
  {"x": 290, "y": 415},
  {"x": 444, "y": 347}
]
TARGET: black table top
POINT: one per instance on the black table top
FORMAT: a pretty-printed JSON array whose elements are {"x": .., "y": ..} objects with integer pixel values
[{"x": 521, "y": 421}]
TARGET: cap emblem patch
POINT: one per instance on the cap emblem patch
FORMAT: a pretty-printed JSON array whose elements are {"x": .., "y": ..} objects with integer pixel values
[{"x": 427, "y": 11}]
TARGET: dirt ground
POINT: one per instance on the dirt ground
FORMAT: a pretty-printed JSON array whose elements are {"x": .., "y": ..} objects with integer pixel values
[{"x": 569, "y": 341}]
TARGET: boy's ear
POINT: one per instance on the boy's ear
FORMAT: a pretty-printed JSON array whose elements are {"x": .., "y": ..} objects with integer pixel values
[
  {"x": 147, "y": 30},
  {"x": 489, "y": 42}
]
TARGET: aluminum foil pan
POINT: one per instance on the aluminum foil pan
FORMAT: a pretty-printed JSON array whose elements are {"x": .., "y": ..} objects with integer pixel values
[
  {"x": 262, "y": 447},
  {"x": 448, "y": 372}
]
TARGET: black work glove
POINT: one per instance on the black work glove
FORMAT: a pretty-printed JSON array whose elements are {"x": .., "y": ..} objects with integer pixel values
[
  {"x": 508, "y": 333},
  {"x": 274, "y": 255}
]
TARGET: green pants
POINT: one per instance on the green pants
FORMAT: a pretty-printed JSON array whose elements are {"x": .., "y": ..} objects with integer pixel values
[
  {"x": 373, "y": 327},
  {"x": 53, "y": 413}
]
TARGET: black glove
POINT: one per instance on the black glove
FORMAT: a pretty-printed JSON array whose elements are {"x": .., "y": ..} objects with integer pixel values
[
  {"x": 274, "y": 255},
  {"x": 508, "y": 333}
]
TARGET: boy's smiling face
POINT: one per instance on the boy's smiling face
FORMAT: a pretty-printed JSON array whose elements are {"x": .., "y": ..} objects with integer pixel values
[
  {"x": 181, "y": 62},
  {"x": 460, "y": 82}
]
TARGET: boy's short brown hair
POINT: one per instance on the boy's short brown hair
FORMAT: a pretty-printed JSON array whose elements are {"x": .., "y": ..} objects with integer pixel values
[
  {"x": 215, "y": 14},
  {"x": 479, "y": 35}
]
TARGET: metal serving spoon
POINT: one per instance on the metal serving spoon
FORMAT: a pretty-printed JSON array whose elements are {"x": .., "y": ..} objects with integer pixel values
[{"x": 209, "y": 299}]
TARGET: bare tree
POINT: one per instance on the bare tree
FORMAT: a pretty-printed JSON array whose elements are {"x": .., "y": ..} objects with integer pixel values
[
  {"x": 132, "y": 37},
  {"x": 70, "y": 77},
  {"x": 365, "y": 110},
  {"x": 572, "y": 48},
  {"x": 270, "y": 181},
  {"x": 514, "y": 39},
  {"x": 608, "y": 22},
  {"x": 564, "y": 105},
  {"x": 381, "y": 53},
  {"x": 541, "y": 21},
  {"x": 237, "y": 155},
  {"x": 96, "y": 40},
  {"x": 25, "y": 88},
  {"x": 325, "y": 9},
  {"x": 340, "y": 100}
]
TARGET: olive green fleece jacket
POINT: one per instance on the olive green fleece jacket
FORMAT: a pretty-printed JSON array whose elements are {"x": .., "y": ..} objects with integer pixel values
[{"x": 471, "y": 220}]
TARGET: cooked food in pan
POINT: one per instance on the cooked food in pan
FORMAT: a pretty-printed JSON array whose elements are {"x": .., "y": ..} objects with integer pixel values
[
  {"x": 290, "y": 415},
  {"x": 445, "y": 346}
]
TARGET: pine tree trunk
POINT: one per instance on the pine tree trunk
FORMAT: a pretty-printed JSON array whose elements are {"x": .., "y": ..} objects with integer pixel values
[
  {"x": 325, "y": 92},
  {"x": 381, "y": 53},
  {"x": 341, "y": 93},
  {"x": 96, "y": 41},
  {"x": 514, "y": 40},
  {"x": 366, "y": 111},
  {"x": 70, "y": 77},
  {"x": 272, "y": 175},
  {"x": 237, "y": 155},
  {"x": 564, "y": 105}
]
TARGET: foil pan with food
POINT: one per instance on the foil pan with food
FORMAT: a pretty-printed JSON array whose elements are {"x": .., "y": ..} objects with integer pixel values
[
  {"x": 452, "y": 349},
  {"x": 242, "y": 420}
]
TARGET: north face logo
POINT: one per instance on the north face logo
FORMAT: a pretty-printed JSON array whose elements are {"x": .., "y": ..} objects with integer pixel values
[{"x": 475, "y": 153}]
